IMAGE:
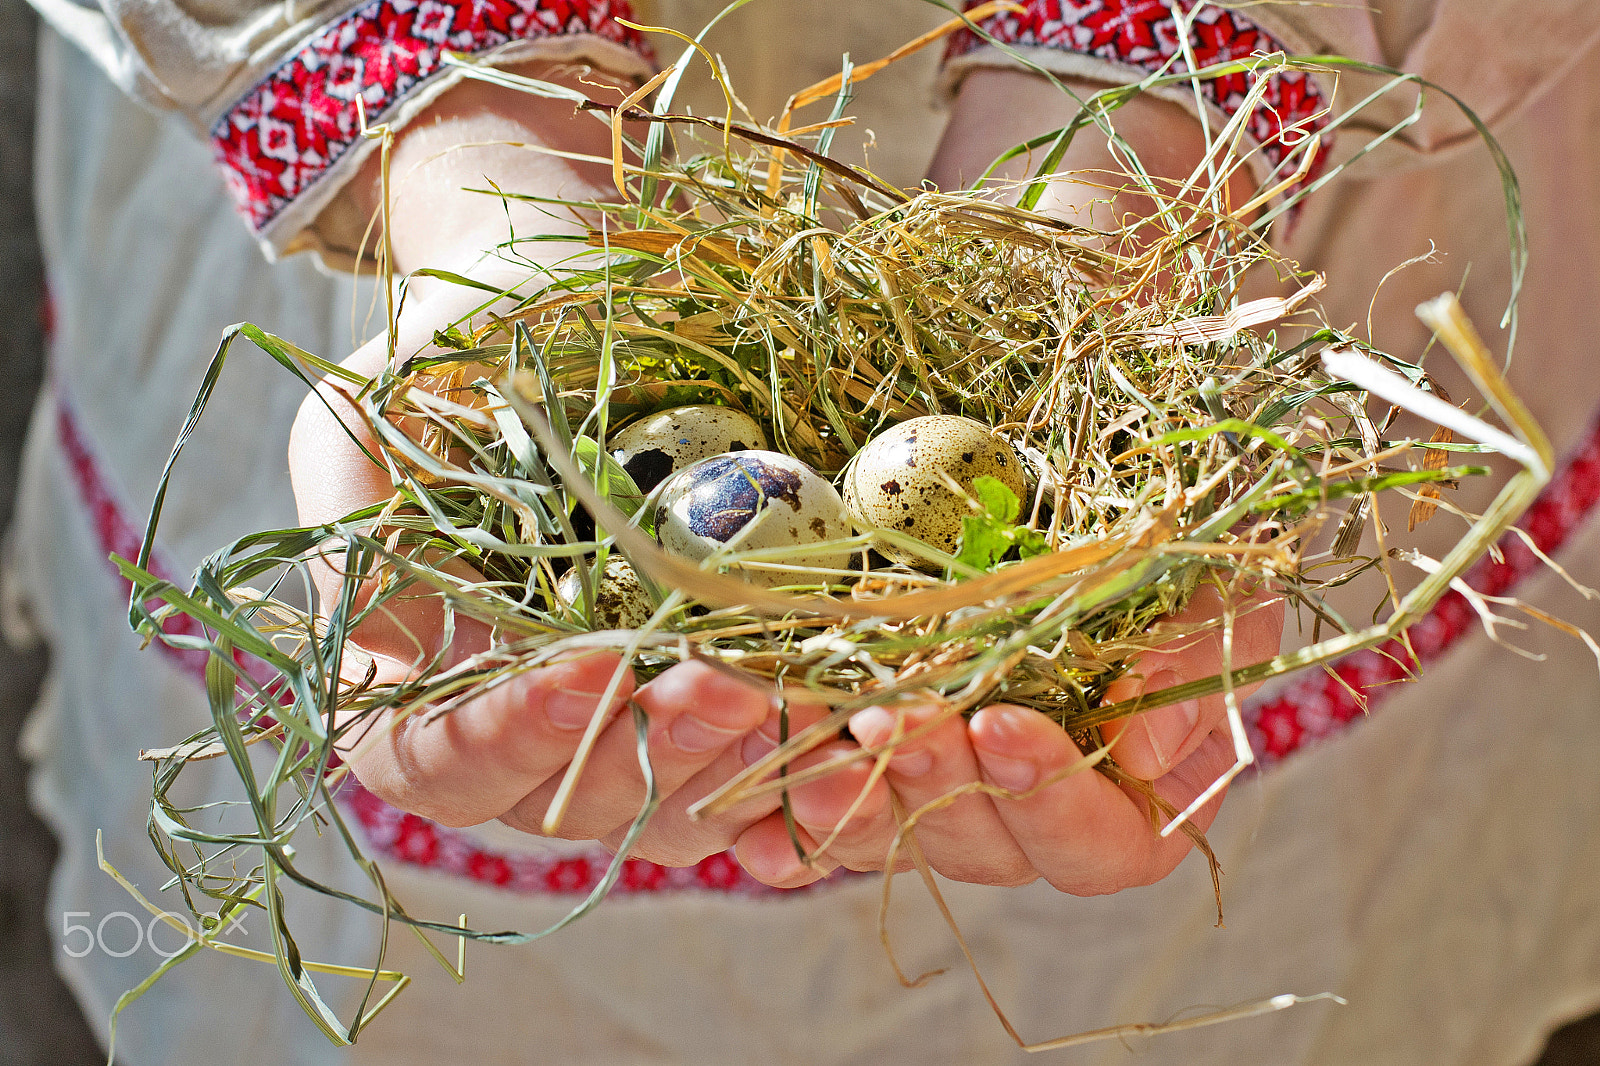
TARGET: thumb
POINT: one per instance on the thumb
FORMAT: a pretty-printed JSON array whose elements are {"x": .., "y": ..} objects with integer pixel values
[{"x": 1152, "y": 742}]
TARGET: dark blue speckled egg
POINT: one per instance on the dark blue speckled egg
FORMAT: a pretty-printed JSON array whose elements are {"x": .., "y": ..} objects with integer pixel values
[{"x": 749, "y": 500}]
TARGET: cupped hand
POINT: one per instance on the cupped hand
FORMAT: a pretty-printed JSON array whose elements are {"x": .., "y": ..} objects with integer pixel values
[
  {"x": 503, "y": 753},
  {"x": 1006, "y": 797}
]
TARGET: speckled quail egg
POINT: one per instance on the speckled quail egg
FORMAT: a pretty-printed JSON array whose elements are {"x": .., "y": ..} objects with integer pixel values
[
  {"x": 754, "y": 499},
  {"x": 899, "y": 479},
  {"x": 619, "y": 603},
  {"x": 659, "y": 445}
]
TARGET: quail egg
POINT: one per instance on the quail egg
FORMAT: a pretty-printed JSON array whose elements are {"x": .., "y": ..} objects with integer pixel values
[
  {"x": 754, "y": 499},
  {"x": 619, "y": 603},
  {"x": 659, "y": 445},
  {"x": 902, "y": 479}
]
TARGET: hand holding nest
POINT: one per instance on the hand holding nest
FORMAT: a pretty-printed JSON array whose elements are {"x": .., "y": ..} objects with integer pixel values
[
  {"x": 1043, "y": 816},
  {"x": 503, "y": 754}
]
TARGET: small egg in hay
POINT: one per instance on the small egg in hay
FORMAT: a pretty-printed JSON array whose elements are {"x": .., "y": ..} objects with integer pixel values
[
  {"x": 620, "y": 601},
  {"x": 659, "y": 445},
  {"x": 749, "y": 500},
  {"x": 917, "y": 477}
]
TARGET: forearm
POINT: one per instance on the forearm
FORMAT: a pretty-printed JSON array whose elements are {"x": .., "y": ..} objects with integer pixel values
[
  {"x": 998, "y": 109},
  {"x": 477, "y": 134}
]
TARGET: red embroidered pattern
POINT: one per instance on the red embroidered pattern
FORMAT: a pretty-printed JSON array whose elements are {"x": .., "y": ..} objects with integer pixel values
[
  {"x": 1143, "y": 34},
  {"x": 297, "y": 122},
  {"x": 116, "y": 534},
  {"x": 416, "y": 841}
]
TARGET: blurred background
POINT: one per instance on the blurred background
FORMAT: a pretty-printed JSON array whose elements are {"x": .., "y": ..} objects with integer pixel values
[{"x": 40, "y": 1024}]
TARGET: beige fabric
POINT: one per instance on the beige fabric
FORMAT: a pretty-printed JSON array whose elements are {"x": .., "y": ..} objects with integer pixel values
[{"x": 1435, "y": 865}]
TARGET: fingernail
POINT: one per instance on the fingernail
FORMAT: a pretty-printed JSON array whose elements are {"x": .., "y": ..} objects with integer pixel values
[
  {"x": 875, "y": 726},
  {"x": 1014, "y": 775},
  {"x": 1169, "y": 727},
  {"x": 911, "y": 763},
  {"x": 570, "y": 708},
  {"x": 694, "y": 736},
  {"x": 756, "y": 746},
  {"x": 1161, "y": 679}
]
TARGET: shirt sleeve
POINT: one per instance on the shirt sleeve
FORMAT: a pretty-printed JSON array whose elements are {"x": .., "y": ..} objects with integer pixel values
[
  {"x": 1118, "y": 41},
  {"x": 273, "y": 86}
]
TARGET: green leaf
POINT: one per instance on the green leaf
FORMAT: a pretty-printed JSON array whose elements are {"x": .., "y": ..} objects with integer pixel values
[
  {"x": 998, "y": 501},
  {"x": 988, "y": 537}
]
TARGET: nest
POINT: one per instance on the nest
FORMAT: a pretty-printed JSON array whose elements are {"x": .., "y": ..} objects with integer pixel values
[{"x": 1173, "y": 436}]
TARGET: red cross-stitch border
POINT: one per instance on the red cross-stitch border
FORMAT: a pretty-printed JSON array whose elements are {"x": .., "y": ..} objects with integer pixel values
[
  {"x": 1143, "y": 35},
  {"x": 287, "y": 131}
]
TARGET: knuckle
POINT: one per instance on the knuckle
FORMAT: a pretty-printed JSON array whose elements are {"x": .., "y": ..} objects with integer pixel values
[{"x": 712, "y": 693}]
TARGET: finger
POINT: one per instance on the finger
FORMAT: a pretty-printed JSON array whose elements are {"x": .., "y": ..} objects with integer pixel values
[
  {"x": 471, "y": 763},
  {"x": 332, "y": 476},
  {"x": 1149, "y": 744},
  {"x": 695, "y": 711},
  {"x": 675, "y": 838},
  {"x": 1194, "y": 775},
  {"x": 768, "y": 853},
  {"x": 964, "y": 839},
  {"x": 1079, "y": 830},
  {"x": 847, "y": 812},
  {"x": 1178, "y": 788}
]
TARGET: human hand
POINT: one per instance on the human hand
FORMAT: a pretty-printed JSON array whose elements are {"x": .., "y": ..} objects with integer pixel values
[
  {"x": 996, "y": 109},
  {"x": 1006, "y": 797},
  {"x": 504, "y": 753}
]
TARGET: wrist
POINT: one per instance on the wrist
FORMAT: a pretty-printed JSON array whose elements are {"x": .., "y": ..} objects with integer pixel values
[
  {"x": 478, "y": 137},
  {"x": 997, "y": 109}
]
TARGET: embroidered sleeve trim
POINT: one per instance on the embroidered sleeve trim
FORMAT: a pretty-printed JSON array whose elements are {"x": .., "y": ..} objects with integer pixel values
[
  {"x": 289, "y": 131},
  {"x": 1142, "y": 36},
  {"x": 406, "y": 838}
]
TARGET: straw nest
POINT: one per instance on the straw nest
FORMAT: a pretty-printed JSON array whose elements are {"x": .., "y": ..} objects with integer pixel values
[{"x": 1170, "y": 437}]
